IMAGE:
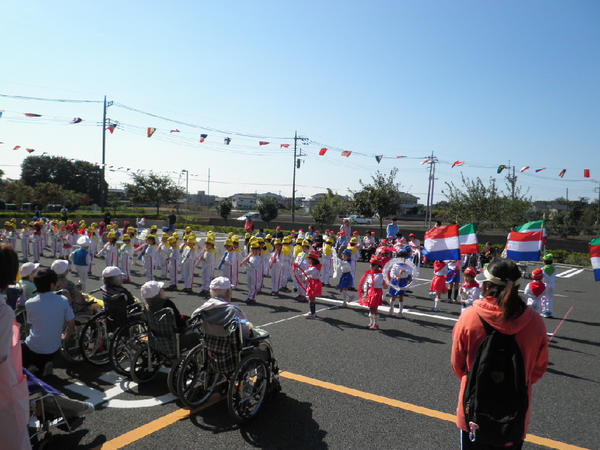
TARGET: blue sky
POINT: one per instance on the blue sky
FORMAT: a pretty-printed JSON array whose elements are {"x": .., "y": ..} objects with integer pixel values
[{"x": 477, "y": 81}]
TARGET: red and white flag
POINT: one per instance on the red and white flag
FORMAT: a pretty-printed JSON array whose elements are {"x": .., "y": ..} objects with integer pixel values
[
  {"x": 457, "y": 163},
  {"x": 346, "y": 153},
  {"x": 523, "y": 169}
]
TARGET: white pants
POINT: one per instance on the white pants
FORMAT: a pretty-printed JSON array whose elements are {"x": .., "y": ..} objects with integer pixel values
[
  {"x": 325, "y": 268},
  {"x": 149, "y": 268},
  {"x": 276, "y": 272},
  {"x": 123, "y": 265},
  {"x": 547, "y": 300},
  {"x": 207, "y": 275},
  {"x": 82, "y": 272},
  {"x": 25, "y": 248},
  {"x": 173, "y": 271},
  {"x": 253, "y": 276},
  {"x": 187, "y": 270}
]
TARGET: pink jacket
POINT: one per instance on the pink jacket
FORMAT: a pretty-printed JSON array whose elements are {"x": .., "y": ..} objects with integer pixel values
[{"x": 468, "y": 333}]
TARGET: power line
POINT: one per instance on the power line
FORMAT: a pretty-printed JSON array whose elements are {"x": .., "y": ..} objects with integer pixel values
[{"x": 45, "y": 99}]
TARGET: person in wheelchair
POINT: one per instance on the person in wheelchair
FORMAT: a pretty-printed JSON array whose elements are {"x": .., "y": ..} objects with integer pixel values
[
  {"x": 113, "y": 285},
  {"x": 155, "y": 298}
]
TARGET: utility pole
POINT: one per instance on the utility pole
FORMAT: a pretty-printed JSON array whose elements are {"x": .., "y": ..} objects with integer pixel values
[
  {"x": 432, "y": 160},
  {"x": 296, "y": 165},
  {"x": 208, "y": 189},
  {"x": 187, "y": 197},
  {"x": 103, "y": 190}
]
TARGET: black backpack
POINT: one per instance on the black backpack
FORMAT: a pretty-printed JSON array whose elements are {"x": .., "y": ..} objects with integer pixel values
[{"x": 495, "y": 399}]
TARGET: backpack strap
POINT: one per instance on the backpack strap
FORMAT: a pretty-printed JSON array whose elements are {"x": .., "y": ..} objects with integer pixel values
[{"x": 488, "y": 328}]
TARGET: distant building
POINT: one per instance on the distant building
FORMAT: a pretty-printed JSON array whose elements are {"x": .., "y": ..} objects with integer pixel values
[
  {"x": 244, "y": 201},
  {"x": 407, "y": 202},
  {"x": 202, "y": 199}
]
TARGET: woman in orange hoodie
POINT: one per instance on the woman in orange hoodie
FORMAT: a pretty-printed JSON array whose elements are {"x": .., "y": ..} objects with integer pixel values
[{"x": 503, "y": 309}]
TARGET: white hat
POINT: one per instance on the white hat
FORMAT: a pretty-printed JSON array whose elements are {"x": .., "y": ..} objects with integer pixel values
[
  {"x": 151, "y": 288},
  {"x": 220, "y": 283},
  {"x": 84, "y": 241},
  {"x": 111, "y": 271},
  {"x": 28, "y": 268},
  {"x": 487, "y": 276},
  {"x": 60, "y": 266}
]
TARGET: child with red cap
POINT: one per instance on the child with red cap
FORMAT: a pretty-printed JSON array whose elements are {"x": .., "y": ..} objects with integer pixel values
[
  {"x": 535, "y": 291},
  {"x": 438, "y": 282},
  {"x": 370, "y": 290},
  {"x": 469, "y": 290},
  {"x": 313, "y": 289}
]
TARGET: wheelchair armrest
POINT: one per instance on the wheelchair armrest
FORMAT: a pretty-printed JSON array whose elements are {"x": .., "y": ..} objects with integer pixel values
[{"x": 257, "y": 336}]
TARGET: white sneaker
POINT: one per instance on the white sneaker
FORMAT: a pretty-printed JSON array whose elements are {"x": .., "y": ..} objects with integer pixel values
[{"x": 310, "y": 315}]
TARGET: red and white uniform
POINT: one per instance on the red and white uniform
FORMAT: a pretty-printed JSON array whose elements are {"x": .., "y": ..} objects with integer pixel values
[
  {"x": 535, "y": 292},
  {"x": 371, "y": 289},
  {"x": 440, "y": 271},
  {"x": 469, "y": 292},
  {"x": 313, "y": 288}
]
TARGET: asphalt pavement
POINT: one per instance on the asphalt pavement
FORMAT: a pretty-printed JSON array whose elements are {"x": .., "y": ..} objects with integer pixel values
[{"x": 345, "y": 386}]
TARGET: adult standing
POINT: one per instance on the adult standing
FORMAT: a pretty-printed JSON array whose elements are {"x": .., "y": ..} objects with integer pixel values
[
  {"x": 249, "y": 225},
  {"x": 14, "y": 397},
  {"x": 392, "y": 229},
  {"x": 345, "y": 228},
  {"x": 172, "y": 220},
  {"x": 107, "y": 217},
  {"x": 503, "y": 310},
  {"x": 64, "y": 213}
]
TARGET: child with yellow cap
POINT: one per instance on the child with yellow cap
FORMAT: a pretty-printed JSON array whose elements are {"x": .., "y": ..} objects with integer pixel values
[
  {"x": 125, "y": 257},
  {"x": 207, "y": 257},
  {"x": 299, "y": 269},
  {"x": 25, "y": 236},
  {"x": 163, "y": 254},
  {"x": 253, "y": 271},
  {"x": 226, "y": 263},
  {"x": 237, "y": 257},
  {"x": 276, "y": 267},
  {"x": 189, "y": 258},
  {"x": 110, "y": 250},
  {"x": 286, "y": 262},
  {"x": 326, "y": 262},
  {"x": 173, "y": 262}
]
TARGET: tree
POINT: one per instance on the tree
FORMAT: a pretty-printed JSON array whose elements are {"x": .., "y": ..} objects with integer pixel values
[
  {"x": 78, "y": 176},
  {"x": 382, "y": 197},
  {"x": 224, "y": 208},
  {"x": 153, "y": 189},
  {"x": 268, "y": 208},
  {"x": 17, "y": 192},
  {"x": 326, "y": 209}
]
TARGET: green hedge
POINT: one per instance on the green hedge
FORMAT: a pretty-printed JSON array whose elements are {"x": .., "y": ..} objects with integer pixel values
[{"x": 82, "y": 215}]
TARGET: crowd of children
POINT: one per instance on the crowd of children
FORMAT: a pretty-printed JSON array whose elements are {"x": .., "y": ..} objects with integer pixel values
[{"x": 309, "y": 264}]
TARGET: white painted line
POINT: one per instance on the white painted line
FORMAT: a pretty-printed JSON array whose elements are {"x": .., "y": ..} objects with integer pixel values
[
  {"x": 294, "y": 317},
  {"x": 144, "y": 403},
  {"x": 565, "y": 273},
  {"x": 572, "y": 274}
]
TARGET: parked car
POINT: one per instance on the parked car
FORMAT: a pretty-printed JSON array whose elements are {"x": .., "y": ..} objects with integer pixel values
[
  {"x": 251, "y": 215},
  {"x": 359, "y": 220}
]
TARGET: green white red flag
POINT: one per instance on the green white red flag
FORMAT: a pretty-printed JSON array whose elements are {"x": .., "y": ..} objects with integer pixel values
[{"x": 467, "y": 239}]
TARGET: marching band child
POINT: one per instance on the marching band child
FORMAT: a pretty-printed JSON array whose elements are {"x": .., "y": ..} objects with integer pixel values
[
  {"x": 263, "y": 257},
  {"x": 276, "y": 267},
  {"x": 226, "y": 263},
  {"x": 189, "y": 258},
  {"x": 327, "y": 260},
  {"x": 267, "y": 254},
  {"x": 237, "y": 257},
  {"x": 125, "y": 258},
  {"x": 400, "y": 277},
  {"x": 208, "y": 264},
  {"x": 81, "y": 260},
  {"x": 313, "y": 288},
  {"x": 173, "y": 262},
  {"x": 93, "y": 235},
  {"x": 286, "y": 262},
  {"x": 549, "y": 277},
  {"x": 163, "y": 254},
  {"x": 25, "y": 235},
  {"x": 453, "y": 279},
  {"x": 469, "y": 291},
  {"x": 253, "y": 271},
  {"x": 438, "y": 282},
  {"x": 536, "y": 291},
  {"x": 300, "y": 266},
  {"x": 346, "y": 282},
  {"x": 370, "y": 289},
  {"x": 150, "y": 256},
  {"x": 110, "y": 251},
  {"x": 37, "y": 241},
  {"x": 353, "y": 247}
]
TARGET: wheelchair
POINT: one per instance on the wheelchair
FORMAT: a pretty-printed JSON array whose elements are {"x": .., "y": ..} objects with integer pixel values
[
  {"x": 161, "y": 345},
  {"x": 245, "y": 367},
  {"x": 97, "y": 333}
]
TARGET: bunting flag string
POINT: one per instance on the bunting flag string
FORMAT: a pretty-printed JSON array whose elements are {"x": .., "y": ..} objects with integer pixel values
[
  {"x": 586, "y": 173},
  {"x": 523, "y": 169},
  {"x": 322, "y": 151},
  {"x": 378, "y": 158},
  {"x": 203, "y": 137},
  {"x": 261, "y": 143},
  {"x": 457, "y": 163},
  {"x": 562, "y": 173},
  {"x": 346, "y": 153},
  {"x": 16, "y": 147},
  {"x": 284, "y": 146},
  {"x": 151, "y": 131},
  {"x": 227, "y": 140},
  {"x": 76, "y": 120},
  {"x": 32, "y": 115},
  {"x": 29, "y": 150},
  {"x": 111, "y": 128},
  {"x": 174, "y": 131},
  {"x": 501, "y": 167},
  {"x": 539, "y": 170}
]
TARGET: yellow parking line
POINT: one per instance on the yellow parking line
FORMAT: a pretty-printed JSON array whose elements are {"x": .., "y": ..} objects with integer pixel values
[
  {"x": 165, "y": 421},
  {"x": 409, "y": 407},
  {"x": 152, "y": 427}
]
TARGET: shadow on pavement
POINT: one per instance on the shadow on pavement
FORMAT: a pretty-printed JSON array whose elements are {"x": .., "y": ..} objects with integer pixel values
[
  {"x": 398, "y": 334},
  {"x": 566, "y": 374},
  {"x": 282, "y": 422},
  {"x": 62, "y": 441}
]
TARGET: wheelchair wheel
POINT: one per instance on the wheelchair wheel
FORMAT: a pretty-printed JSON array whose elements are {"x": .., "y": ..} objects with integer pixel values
[
  {"x": 94, "y": 340},
  {"x": 142, "y": 370},
  {"x": 248, "y": 387},
  {"x": 70, "y": 349},
  {"x": 195, "y": 381},
  {"x": 173, "y": 374},
  {"x": 123, "y": 346}
]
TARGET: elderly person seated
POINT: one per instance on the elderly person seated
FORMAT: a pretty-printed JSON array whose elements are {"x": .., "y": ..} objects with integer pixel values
[{"x": 219, "y": 309}]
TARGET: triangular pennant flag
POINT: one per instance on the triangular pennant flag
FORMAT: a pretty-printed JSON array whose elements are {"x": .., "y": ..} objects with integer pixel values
[
  {"x": 586, "y": 173},
  {"x": 284, "y": 146},
  {"x": 111, "y": 128},
  {"x": 29, "y": 150},
  {"x": 425, "y": 161},
  {"x": 322, "y": 151},
  {"x": 346, "y": 153},
  {"x": 227, "y": 140},
  {"x": 76, "y": 120},
  {"x": 378, "y": 158},
  {"x": 203, "y": 137},
  {"x": 562, "y": 173},
  {"x": 539, "y": 170},
  {"x": 174, "y": 131},
  {"x": 501, "y": 167},
  {"x": 16, "y": 147},
  {"x": 261, "y": 143},
  {"x": 457, "y": 163},
  {"x": 1, "y": 113},
  {"x": 401, "y": 156},
  {"x": 151, "y": 131},
  {"x": 523, "y": 169},
  {"x": 32, "y": 115}
]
